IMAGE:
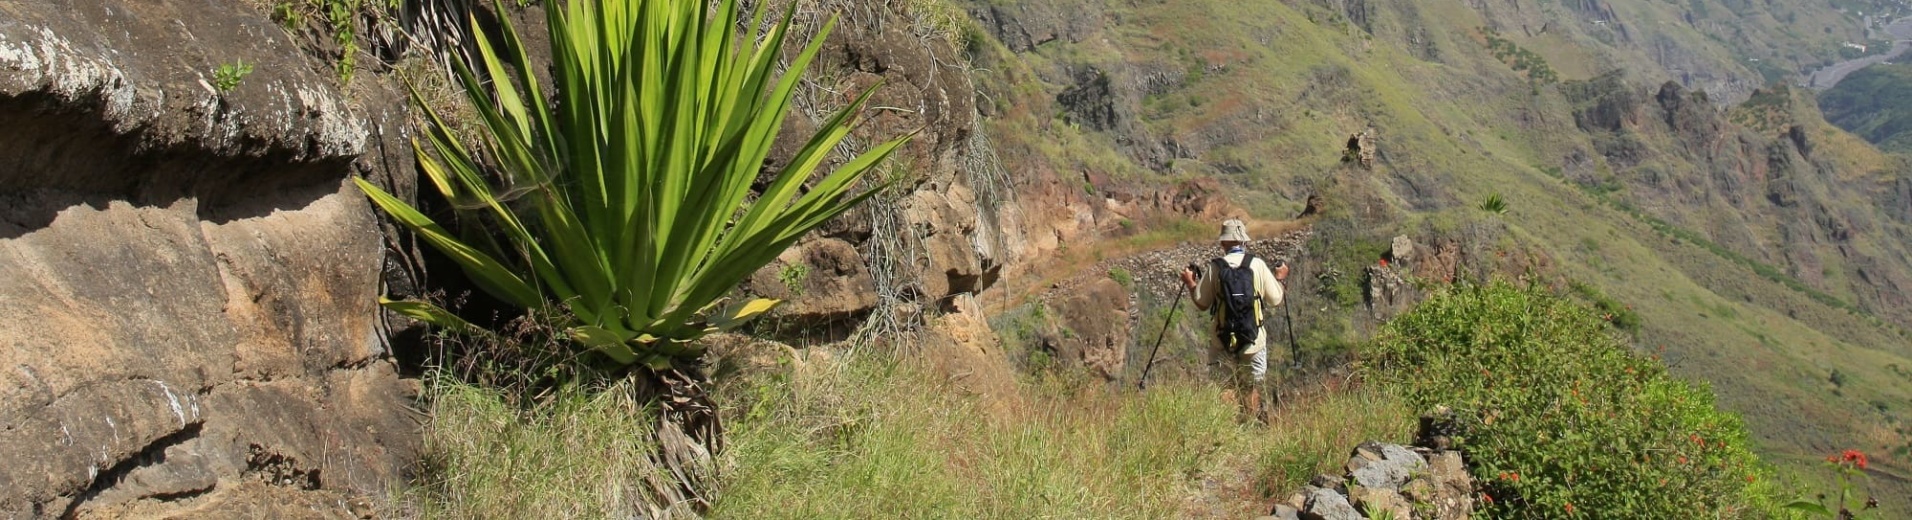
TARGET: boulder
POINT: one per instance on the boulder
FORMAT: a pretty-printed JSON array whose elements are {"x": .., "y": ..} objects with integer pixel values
[
  {"x": 1385, "y": 466},
  {"x": 944, "y": 222},
  {"x": 1324, "y": 480},
  {"x": 962, "y": 348},
  {"x": 1093, "y": 321},
  {"x": 1402, "y": 249},
  {"x": 1453, "y": 487},
  {"x": 1326, "y": 504},
  {"x": 819, "y": 281},
  {"x": 1375, "y": 502},
  {"x": 191, "y": 322}
]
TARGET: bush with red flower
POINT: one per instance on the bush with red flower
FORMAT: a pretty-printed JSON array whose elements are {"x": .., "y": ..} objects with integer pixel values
[{"x": 1559, "y": 419}]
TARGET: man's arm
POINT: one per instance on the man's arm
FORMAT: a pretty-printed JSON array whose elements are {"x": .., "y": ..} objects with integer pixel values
[
  {"x": 1203, "y": 293},
  {"x": 1268, "y": 283}
]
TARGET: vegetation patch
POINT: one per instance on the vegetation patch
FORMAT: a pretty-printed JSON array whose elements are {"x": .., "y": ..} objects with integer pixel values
[
  {"x": 1611, "y": 310},
  {"x": 1557, "y": 416},
  {"x": 1875, "y": 103},
  {"x": 578, "y": 454},
  {"x": 228, "y": 76},
  {"x": 1521, "y": 59},
  {"x": 895, "y": 438},
  {"x": 341, "y": 21}
]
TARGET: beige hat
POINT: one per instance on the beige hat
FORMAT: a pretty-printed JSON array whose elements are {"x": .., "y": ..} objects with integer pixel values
[{"x": 1233, "y": 231}]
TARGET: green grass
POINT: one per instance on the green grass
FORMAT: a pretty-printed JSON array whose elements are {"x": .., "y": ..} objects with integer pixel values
[
  {"x": 894, "y": 438},
  {"x": 806, "y": 433},
  {"x": 580, "y": 454}
]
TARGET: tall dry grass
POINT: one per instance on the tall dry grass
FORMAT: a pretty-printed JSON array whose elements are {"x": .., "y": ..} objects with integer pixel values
[
  {"x": 876, "y": 438},
  {"x": 581, "y": 453},
  {"x": 872, "y": 438}
]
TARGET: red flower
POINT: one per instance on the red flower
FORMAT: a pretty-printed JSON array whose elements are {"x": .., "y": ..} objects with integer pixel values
[
  {"x": 1856, "y": 458},
  {"x": 1384, "y": 262},
  {"x": 1697, "y": 440},
  {"x": 1570, "y": 508},
  {"x": 1486, "y": 498},
  {"x": 1749, "y": 479}
]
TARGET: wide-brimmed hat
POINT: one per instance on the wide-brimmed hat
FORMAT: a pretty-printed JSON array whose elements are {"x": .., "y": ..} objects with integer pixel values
[{"x": 1233, "y": 231}]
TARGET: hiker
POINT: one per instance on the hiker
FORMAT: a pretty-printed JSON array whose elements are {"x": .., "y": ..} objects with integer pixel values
[{"x": 1242, "y": 290}]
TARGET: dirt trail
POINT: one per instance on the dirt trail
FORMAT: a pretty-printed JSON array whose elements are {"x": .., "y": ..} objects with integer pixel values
[
  {"x": 1155, "y": 274},
  {"x": 1156, "y": 269}
]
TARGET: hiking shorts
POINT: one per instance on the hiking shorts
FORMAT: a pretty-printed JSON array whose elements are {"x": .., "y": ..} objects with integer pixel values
[
  {"x": 1256, "y": 364},
  {"x": 1243, "y": 370}
]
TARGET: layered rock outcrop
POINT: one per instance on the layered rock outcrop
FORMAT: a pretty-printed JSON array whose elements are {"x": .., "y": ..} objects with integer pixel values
[{"x": 190, "y": 322}]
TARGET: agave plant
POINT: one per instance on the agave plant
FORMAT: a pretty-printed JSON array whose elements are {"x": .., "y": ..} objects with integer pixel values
[
  {"x": 1494, "y": 204},
  {"x": 626, "y": 199}
]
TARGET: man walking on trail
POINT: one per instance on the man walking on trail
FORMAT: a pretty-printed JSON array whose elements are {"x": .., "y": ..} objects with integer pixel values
[{"x": 1242, "y": 290}]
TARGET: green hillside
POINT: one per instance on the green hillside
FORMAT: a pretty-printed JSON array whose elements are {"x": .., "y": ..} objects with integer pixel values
[
  {"x": 1875, "y": 103},
  {"x": 1670, "y": 209},
  {"x": 1640, "y": 155}
]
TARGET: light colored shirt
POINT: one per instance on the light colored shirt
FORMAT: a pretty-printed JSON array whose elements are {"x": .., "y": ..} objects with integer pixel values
[{"x": 1266, "y": 286}]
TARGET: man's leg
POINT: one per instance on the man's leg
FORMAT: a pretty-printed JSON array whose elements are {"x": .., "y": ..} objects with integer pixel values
[{"x": 1257, "y": 382}]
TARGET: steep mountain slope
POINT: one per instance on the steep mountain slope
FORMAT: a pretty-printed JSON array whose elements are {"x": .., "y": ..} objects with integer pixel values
[
  {"x": 1763, "y": 246},
  {"x": 1875, "y": 103}
]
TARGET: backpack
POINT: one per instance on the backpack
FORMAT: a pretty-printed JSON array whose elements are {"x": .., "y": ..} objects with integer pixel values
[{"x": 1238, "y": 315}]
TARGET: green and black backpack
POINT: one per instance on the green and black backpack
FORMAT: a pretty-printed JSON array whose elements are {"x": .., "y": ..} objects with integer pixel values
[{"x": 1238, "y": 311}]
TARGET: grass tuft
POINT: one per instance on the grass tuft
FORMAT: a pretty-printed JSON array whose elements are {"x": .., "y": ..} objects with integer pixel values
[{"x": 580, "y": 454}]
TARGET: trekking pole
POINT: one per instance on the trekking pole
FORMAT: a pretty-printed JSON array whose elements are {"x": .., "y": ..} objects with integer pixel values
[
  {"x": 1180, "y": 290},
  {"x": 1288, "y": 309}
]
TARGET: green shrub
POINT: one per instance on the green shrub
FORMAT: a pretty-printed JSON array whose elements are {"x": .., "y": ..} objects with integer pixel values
[
  {"x": 792, "y": 277},
  {"x": 228, "y": 75},
  {"x": 1553, "y": 410},
  {"x": 1122, "y": 277}
]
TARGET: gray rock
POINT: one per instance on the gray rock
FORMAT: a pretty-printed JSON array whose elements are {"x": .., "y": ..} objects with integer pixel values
[
  {"x": 1421, "y": 489},
  {"x": 1403, "y": 249},
  {"x": 1452, "y": 487},
  {"x": 1387, "y": 466},
  {"x": 1285, "y": 512},
  {"x": 1325, "y": 504},
  {"x": 1373, "y": 501},
  {"x": 1324, "y": 480}
]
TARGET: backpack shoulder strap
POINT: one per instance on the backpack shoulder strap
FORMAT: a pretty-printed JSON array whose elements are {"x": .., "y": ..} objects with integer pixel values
[{"x": 1248, "y": 264}]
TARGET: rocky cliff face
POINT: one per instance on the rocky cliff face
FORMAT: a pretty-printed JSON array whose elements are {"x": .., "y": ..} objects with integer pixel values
[
  {"x": 190, "y": 321},
  {"x": 963, "y": 217},
  {"x": 1759, "y": 188}
]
